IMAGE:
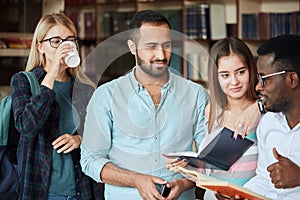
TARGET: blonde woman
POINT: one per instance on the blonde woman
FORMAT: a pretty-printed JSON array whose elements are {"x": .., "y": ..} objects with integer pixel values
[{"x": 50, "y": 122}]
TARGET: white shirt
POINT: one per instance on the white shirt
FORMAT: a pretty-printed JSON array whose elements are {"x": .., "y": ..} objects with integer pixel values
[{"x": 274, "y": 131}]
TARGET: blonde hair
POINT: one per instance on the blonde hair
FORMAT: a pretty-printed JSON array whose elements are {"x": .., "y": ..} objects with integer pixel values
[
  {"x": 36, "y": 59},
  {"x": 218, "y": 101}
]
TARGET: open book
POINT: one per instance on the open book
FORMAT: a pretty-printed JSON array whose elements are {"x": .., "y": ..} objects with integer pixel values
[
  {"x": 223, "y": 187},
  {"x": 221, "y": 152}
]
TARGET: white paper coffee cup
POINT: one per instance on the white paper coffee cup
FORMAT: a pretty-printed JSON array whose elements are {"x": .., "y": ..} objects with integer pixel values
[{"x": 72, "y": 59}]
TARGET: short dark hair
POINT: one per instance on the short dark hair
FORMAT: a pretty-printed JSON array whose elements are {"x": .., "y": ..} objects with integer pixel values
[
  {"x": 145, "y": 16},
  {"x": 286, "y": 50}
]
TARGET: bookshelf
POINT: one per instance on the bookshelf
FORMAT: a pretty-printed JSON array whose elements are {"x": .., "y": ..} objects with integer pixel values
[
  {"x": 16, "y": 27},
  {"x": 259, "y": 20},
  {"x": 17, "y": 24},
  {"x": 97, "y": 20},
  {"x": 15, "y": 44},
  {"x": 112, "y": 17}
]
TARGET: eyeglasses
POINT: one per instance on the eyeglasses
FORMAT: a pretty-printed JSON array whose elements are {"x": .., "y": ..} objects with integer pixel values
[
  {"x": 56, "y": 41},
  {"x": 262, "y": 78}
]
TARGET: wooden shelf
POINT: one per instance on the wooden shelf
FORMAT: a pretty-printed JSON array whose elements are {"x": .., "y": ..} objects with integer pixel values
[
  {"x": 14, "y": 52},
  {"x": 15, "y": 35},
  {"x": 264, "y": 6}
]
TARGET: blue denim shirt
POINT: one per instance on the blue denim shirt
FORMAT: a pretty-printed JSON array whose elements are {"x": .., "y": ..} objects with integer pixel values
[{"x": 124, "y": 127}]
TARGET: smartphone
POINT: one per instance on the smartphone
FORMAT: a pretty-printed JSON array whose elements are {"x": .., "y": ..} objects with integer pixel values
[
  {"x": 164, "y": 190},
  {"x": 261, "y": 106}
]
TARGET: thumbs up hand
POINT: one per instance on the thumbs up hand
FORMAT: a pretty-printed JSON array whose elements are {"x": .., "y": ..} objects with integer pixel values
[{"x": 284, "y": 173}]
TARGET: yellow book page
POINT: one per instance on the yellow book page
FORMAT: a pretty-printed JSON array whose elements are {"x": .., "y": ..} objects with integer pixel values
[{"x": 223, "y": 187}]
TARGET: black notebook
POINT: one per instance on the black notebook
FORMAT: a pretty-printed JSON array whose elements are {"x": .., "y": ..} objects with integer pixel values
[{"x": 222, "y": 152}]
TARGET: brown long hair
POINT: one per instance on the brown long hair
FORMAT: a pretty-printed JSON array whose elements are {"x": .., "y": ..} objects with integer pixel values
[
  {"x": 36, "y": 59},
  {"x": 218, "y": 101}
]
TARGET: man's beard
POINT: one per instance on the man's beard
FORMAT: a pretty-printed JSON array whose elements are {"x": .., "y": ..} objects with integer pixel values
[
  {"x": 281, "y": 103},
  {"x": 148, "y": 69}
]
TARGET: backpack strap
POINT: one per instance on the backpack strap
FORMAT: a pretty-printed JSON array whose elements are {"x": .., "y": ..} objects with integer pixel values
[
  {"x": 34, "y": 84},
  {"x": 5, "y": 107}
]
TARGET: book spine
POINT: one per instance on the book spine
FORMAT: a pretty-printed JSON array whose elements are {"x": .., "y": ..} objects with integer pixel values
[
  {"x": 89, "y": 25},
  {"x": 264, "y": 25},
  {"x": 204, "y": 28},
  {"x": 250, "y": 26},
  {"x": 217, "y": 21},
  {"x": 192, "y": 17}
]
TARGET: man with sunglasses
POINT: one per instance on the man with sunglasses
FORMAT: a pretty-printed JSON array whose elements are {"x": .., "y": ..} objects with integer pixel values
[{"x": 278, "y": 133}]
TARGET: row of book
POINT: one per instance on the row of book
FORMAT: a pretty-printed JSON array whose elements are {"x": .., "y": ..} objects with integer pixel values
[
  {"x": 79, "y": 2},
  {"x": 85, "y": 23},
  {"x": 87, "y": 2},
  {"x": 15, "y": 43},
  {"x": 205, "y": 21},
  {"x": 196, "y": 66},
  {"x": 264, "y": 25},
  {"x": 114, "y": 22}
]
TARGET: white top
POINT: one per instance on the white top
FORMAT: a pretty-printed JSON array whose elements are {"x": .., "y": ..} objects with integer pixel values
[{"x": 273, "y": 131}]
